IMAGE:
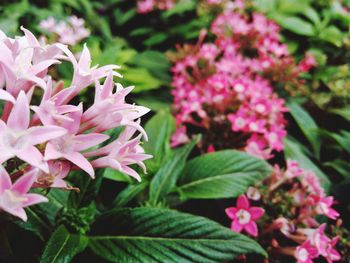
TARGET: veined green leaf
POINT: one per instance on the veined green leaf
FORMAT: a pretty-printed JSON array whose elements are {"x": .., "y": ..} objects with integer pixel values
[
  {"x": 165, "y": 179},
  {"x": 307, "y": 125},
  {"x": 222, "y": 174},
  {"x": 163, "y": 235},
  {"x": 63, "y": 246}
]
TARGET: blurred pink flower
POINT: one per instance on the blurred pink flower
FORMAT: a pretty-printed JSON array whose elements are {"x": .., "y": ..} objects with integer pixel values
[{"x": 305, "y": 253}]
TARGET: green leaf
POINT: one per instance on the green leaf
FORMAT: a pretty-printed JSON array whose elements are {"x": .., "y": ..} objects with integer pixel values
[
  {"x": 295, "y": 24},
  {"x": 341, "y": 139},
  {"x": 343, "y": 112},
  {"x": 153, "y": 103},
  {"x": 157, "y": 38},
  {"x": 88, "y": 188},
  {"x": 63, "y": 246},
  {"x": 141, "y": 79},
  {"x": 165, "y": 179},
  {"x": 223, "y": 174},
  {"x": 180, "y": 8},
  {"x": 129, "y": 193},
  {"x": 307, "y": 125},
  {"x": 159, "y": 130},
  {"x": 292, "y": 150},
  {"x": 332, "y": 35},
  {"x": 115, "y": 175},
  {"x": 341, "y": 166},
  {"x": 156, "y": 63},
  {"x": 162, "y": 235},
  {"x": 42, "y": 217}
]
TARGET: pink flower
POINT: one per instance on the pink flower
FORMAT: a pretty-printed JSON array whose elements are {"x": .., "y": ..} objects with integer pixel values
[
  {"x": 284, "y": 225},
  {"x": 58, "y": 170},
  {"x": 179, "y": 137},
  {"x": 61, "y": 130},
  {"x": 323, "y": 206},
  {"x": 305, "y": 252},
  {"x": 307, "y": 63},
  {"x": 122, "y": 153},
  {"x": 17, "y": 139},
  {"x": 253, "y": 193},
  {"x": 331, "y": 253},
  {"x": 293, "y": 169},
  {"x": 71, "y": 145},
  {"x": 14, "y": 197},
  {"x": 324, "y": 245},
  {"x": 69, "y": 32},
  {"x": 244, "y": 216}
]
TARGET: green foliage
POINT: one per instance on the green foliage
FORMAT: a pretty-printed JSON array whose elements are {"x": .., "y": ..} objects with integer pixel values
[
  {"x": 161, "y": 235},
  {"x": 63, "y": 246},
  {"x": 295, "y": 151},
  {"x": 165, "y": 179},
  {"x": 307, "y": 125},
  {"x": 223, "y": 174}
]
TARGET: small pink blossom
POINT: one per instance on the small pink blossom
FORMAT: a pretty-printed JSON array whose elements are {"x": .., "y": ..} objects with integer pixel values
[
  {"x": 323, "y": 206},
  {"x": 14, "y": 197},
  {"x": 243, "y": 216},
  {"x": 70, "y": 32},
  {"x": 305, "y": 253}
]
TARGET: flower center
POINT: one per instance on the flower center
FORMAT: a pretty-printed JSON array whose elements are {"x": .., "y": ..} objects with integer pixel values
[
  {"x": 303, "y": 254},
  {"x": 240, "y": 122},
  {"x": 243, "y": 216},
  {"x": 14, "y": 140},
  {"x": 273, "y": 137},
  {"x": 239, "y": 88},
  {"x": 260, "y": 108},
  {"x": 12, "y": 199}
]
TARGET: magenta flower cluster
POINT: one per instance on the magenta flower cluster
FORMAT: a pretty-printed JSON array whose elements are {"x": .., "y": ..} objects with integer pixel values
[
  {"x": 42, "y": 140},
  {"x": 68, "y": 32},
  {"x": 224, "y": 84},
  {"x": 146, "y": 6},
  {"x": 307, "y": 200}
]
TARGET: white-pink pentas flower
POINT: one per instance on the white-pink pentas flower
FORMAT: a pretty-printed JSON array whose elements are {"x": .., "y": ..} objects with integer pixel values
[
  {"x": 14, "y": 197},
  {"x": 18, "y": 139},
  {"x": 60, "y": 134},
  {"x": 243, "y": 216}
]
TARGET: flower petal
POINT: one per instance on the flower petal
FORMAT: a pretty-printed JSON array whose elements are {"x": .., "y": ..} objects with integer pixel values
[
  {"x": 25, "y": 182},
  {"x": 19, "y": 116},
  {"x": 231, "y": 212},
  {"x": 243, "y": 202},
  {"x": 79, "y": 160},
  {"x": 236, "y": 226},
  {"x": 5, "y": 180},
  {"x": 33, "y": 156},
  {"x": 256, "y": 212},
  {"x": 85, "y": 141},
  {"x": 33, "y": 199},
  {"x": 251, "y": 228},
  {"x": 43, "y": 134}
]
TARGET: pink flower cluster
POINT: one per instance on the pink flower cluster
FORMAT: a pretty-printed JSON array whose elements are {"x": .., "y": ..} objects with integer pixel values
[
  {"x": 69, "y": 32},
  {"x": 296, "y": 194},
  {"x": 305, "y": 191},
  {"x": 317, "y": 244},
  {"x": 146, "y": 6},
  {"x": 227, "y": 85},
  {"x": 42, "y": 140}
]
